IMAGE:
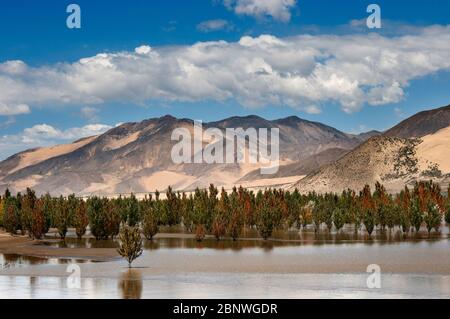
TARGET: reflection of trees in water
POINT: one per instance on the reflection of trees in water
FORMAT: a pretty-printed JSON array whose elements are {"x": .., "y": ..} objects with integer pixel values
[{"x": 131, "y": 284}]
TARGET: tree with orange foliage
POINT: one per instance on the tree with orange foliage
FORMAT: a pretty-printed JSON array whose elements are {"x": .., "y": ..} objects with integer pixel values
[
  {"x": 368, "y": 210},
  {"x": 38, "y": 220}
]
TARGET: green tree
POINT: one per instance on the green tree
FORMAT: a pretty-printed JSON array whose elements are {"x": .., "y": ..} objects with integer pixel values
[
  {"x": 268, "y": 215},
  {"x": 416, "y": 214},
  {"x": 369, "y": 220},
  {"x": 11, "y": 215},
  {"x": 132, "y": 210},
  {"x": 150, "y": 222},
  {"x": 80, "y": 219},
  {"x": 63, "y": 216},
  {"x": 338, "y": 218},
  {"x": 98, "y": 220},
  {"x": 27, "y": 208},
  {"x": 447, "y": 212},
  {"x": 2, "y": 206},
  {"x": 130, "y": 246},
  {"x": 432, "y": 217}
]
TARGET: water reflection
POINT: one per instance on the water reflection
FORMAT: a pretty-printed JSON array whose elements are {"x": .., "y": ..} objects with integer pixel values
[
  {"x": 176, "y": 238},
  {"x": 131, "y": 284},
  {"x": 14, "y": 261}
]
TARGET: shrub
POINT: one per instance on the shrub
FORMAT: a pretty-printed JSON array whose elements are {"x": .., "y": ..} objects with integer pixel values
[{"x": 130, "y": 246}]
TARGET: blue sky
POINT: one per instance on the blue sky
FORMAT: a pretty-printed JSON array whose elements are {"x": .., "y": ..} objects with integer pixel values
[{"x": 35, "y": 33}]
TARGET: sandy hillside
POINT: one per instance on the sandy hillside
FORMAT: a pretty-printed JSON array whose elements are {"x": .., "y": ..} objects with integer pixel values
[
  {"x": 395, "y": 162},
  {"x": 435, "y": 149},
  {"x": 36, "y": 156}
]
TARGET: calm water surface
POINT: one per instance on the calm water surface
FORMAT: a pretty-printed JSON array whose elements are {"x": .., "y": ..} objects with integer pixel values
[{"x": 245, "y": 269}]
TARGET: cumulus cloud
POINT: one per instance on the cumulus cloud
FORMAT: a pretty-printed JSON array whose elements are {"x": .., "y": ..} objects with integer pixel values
[
  {"x": 45, "y": 135},
  {"x": 277, "y": 9},
  {"x": 214, "y": 25},
  {"x": 8, "y": 109},
  {"x": 303, "y": 72}
]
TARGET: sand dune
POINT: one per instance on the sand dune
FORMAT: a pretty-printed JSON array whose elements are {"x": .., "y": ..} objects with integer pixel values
[{"x": 435, "y": 149}]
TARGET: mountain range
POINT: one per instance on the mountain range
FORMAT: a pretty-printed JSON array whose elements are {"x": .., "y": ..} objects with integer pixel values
[
  {"x": 136, "y": 157},
  {"x": 416, "y": 149}
]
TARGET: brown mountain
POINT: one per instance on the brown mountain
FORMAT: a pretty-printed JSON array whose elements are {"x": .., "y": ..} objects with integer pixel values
[
  {"x": 136, "y": 157},
  {"x": 421, "y": 124},
  {"x": 394, "y": 161}
]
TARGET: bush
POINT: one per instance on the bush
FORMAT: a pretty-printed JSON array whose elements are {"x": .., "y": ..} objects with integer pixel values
[{"x": 130, "y": 246}]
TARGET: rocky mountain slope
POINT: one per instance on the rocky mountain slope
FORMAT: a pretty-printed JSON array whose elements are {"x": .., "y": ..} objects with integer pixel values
[
  {"x": 136, "y": 157},
  {"x": 394, "y": 161},
  {"x": 421, "y": 124}
]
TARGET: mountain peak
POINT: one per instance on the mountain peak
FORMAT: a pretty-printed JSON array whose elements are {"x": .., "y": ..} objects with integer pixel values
[{"x": 421, "y": 124}]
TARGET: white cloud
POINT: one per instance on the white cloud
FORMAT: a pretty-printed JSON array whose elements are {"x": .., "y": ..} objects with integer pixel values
[
  {"x": 277, "y": 9},
  {"x": 89, "y": 113},
  {"x": 214, "y": 25},
  {"x": 44, "y": 135},
  {"x": 299, "y": 71},
  {"x": 8, "y": 109},
  {"x": 143, "y": 49}
]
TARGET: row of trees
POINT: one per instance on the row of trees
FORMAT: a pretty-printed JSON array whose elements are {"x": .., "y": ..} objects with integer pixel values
[{"x": 224, "y": 214}]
